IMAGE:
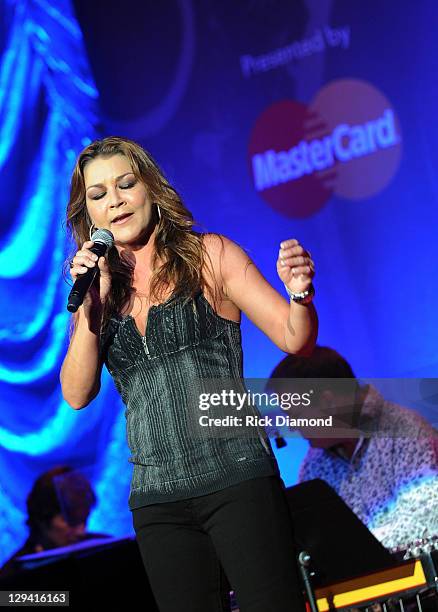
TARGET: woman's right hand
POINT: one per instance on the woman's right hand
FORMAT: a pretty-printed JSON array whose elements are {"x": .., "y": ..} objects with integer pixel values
[{"x": 99, "y": 290}]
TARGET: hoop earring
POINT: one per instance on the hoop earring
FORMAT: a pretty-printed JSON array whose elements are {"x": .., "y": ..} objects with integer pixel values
[
  {"x": 159, "y": 213},
  {"x": 91, "y": 230}
]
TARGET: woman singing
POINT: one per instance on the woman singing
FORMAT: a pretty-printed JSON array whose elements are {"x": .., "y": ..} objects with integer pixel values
[{"x": 163, "y": 312}]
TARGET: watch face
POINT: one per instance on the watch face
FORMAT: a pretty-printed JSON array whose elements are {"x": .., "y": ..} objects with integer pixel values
[{"x": 305, "y": 296}]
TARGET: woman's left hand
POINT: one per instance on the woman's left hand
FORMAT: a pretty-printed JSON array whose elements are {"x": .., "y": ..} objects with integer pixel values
[{"x": 295, "y": 266}]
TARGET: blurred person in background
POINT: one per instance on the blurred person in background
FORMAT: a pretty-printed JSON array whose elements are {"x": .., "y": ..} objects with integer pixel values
[
  {"x": 58, "y": 507},
  {"x": 386, "y": 471}
]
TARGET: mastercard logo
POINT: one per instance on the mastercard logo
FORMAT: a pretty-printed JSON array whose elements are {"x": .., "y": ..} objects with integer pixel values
[{"x": 346, "y": 142}]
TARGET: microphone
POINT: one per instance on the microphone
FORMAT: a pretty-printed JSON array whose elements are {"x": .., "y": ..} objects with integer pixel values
[{"x": 103, "y": 240}]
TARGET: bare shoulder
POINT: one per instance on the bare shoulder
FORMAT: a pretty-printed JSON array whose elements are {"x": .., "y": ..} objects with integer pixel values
[
  {"x": 226, "y": 257},
  {"x": 213, "y": 247},
  {"x": 217, "y": 248},
  {"x": 219, "y": 245},
  {"x": 214, "y": 244}
]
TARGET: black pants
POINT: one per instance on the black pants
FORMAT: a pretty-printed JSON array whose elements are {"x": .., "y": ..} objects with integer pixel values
[{"x": 245, "y": 528}]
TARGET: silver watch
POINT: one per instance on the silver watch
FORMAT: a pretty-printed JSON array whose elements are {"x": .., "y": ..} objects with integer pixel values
[{"x": 301, "y": 297}]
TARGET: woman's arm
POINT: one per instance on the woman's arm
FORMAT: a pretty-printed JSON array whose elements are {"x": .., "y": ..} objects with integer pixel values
[
  {"x": 291, "y": 326},
  {"x": 81, "y": 369}
]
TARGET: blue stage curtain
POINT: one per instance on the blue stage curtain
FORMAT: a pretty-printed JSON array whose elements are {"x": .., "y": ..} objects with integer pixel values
[{"x": 48, "y": 113}]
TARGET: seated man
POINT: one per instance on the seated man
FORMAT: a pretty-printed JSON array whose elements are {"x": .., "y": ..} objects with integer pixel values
[
  {"x": 389, "y": 480},
  {"x": 58, "y": 507}
]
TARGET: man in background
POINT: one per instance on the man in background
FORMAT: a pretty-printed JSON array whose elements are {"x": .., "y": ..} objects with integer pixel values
[
  {"x": 388, "y": 477},
  {"x": 57, "y": 507}
]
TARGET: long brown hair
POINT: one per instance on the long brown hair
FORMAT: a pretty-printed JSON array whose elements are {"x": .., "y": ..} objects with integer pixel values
[{"x": 177, "y": 244}]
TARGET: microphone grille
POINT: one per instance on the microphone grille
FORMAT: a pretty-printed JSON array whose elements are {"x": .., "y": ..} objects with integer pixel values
[{"x": 104, "y": 236}]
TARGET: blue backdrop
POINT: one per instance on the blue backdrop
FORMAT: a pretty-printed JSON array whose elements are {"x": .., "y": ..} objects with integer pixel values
[{"x": 191, "y": 82}]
